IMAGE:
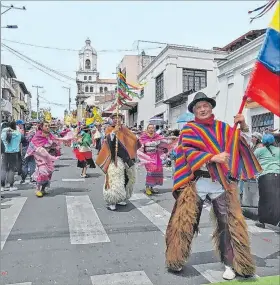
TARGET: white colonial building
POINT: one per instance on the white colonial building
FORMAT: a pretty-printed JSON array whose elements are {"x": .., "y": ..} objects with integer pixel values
[
  {"x": 233, "y": 76},
  {"x": 8, "y": 92},
  {"x": 175, "y": 74},
  {"x": 89, "y": 84}
]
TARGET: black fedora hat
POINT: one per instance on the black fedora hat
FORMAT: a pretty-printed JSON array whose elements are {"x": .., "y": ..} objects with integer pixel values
[{"x": 200, "y": 96}]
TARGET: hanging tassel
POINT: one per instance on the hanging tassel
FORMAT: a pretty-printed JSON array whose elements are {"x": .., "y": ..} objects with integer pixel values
[{"x": 265, "y": 8}]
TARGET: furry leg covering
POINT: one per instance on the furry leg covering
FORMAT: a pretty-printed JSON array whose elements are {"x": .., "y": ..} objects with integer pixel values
[
  {"x": 181, "y": 228},
  {"x": 114, "y": 190},
  {"x": 242, "y": 262},
  {"x": 131, "y": 173}
]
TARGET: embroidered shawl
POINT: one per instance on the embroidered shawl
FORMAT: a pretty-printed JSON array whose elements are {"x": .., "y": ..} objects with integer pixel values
[
  {"x": 127, "y": 141},
  {"x": 199, "y": 143}
]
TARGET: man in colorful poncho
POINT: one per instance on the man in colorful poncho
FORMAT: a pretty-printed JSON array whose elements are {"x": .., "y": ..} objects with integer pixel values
[
  {"x": 203, "y": 169},
  {"x": 120, "y": 168}
]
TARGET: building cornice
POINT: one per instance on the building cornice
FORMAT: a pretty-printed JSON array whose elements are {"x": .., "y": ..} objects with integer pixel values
[
  {"x": 180, "y": 48},
  {"x": 232, "y": 70},
  {"x": 241, "y": 51}
]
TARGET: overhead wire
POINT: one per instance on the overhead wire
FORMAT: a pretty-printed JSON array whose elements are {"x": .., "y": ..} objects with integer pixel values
[
  {"x": 76, "y": 50},
  {"x": 22, "y": 58},
  {"x": 40, "y": 64}
]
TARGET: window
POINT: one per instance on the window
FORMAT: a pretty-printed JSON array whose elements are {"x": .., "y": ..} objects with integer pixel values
[
  {"x": 89, "y": 78},
  {"x": 194, "y": 79},
  {"x": 87, "y": 64},
  {"x": 91, "y": 89},
  {"x": 101, "y": 90},
  {"x": 261, "y": 122},
  {"x": 105, "y": 89},
  {"x": 85, "y": 77},
  {"x": 86, "y": 89},
  {"x": 159, "y": 88}
]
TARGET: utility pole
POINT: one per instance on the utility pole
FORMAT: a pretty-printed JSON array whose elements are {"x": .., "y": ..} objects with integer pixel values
[
  {"x": 69, "y": 90},
  {"x": 37, "y": 87}
]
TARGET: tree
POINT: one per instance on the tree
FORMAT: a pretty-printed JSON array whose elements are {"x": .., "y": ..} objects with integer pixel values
[{"x": 33, "y": 115}]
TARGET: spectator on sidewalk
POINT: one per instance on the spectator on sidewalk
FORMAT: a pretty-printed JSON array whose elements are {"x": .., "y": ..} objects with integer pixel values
[
  {"x": 11, "y": 138},
  {"x": 268, "y": 182}
]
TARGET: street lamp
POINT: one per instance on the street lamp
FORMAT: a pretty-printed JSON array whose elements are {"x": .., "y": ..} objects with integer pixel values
[
  {"x": 10, "y": 27},
  {"x": 11, "y": 7}
]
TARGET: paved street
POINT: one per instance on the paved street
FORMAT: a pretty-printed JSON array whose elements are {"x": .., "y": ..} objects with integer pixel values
[{"x": 70, "y": 238}]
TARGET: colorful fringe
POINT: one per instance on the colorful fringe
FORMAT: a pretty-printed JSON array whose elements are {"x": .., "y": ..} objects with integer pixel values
[{"x": 199, "y": 143}]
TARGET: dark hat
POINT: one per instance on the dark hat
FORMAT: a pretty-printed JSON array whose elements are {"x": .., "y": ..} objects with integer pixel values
[
  {"x": 200, "y": 96},
  {"x": 115, "y": 115}
]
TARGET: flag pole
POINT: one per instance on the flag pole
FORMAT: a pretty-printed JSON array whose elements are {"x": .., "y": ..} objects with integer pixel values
[
  {"x": 241, "y": 108},
  {"x": 118, "y": 110}
]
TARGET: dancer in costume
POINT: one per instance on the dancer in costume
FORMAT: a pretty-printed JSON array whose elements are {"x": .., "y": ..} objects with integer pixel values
[
  {"x": 203, "y": 169},
  {"x": 153, "y": 145},
  {"x": 120, "y": 168},
  {"x": 41, "y": 147},
  {"x": 84, "y": 152}
]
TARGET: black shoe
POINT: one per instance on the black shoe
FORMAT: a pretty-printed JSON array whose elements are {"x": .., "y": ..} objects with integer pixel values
[{"x": 260, "y": 225}]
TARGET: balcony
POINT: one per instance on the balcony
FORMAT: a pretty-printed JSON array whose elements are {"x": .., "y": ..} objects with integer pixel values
[
  {"x": 6, "y": 106},
  {"x": 7, "y": 85},
  {"x": 22, "y": 104}
]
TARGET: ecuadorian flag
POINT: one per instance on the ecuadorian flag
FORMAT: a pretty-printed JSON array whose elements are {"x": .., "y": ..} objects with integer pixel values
[{"x": 264, "y": 85}]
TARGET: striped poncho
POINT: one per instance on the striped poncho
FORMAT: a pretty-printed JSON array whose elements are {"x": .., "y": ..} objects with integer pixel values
[{"x": 198, "y": 143}]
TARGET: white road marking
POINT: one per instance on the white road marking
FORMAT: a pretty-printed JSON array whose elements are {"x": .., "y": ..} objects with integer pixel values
[
  {"x": 251, "y": 225},
  {"x": 210, "y": 271},
  {"x": 73, "y": 180},
  {"x": 25, "y": 283},
  {"x": 256, "y": 230},
  {"x": 123, "y": 278},
  {"x": 154, "y": 212},
  {"x": 84, "y": 224},
  {"x": 9, "y": 216}
]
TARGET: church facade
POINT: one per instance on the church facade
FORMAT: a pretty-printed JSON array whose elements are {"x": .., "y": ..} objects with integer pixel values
[{"x": 89, "y": 85}]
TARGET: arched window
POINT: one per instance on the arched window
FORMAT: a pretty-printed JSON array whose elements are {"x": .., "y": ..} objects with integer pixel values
[
  {"x": 91, "y": 89},
  {"x": 105, "y": 89},
  {"x": 85, "y": 77},
  {"x": 101, "y": 89},
  {"x": 86, "y": 89},
  {"x": 87, "y": 64},
  {"x": 89, "y": 78}
]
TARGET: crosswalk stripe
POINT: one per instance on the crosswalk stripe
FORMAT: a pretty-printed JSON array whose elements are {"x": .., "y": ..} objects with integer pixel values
[
  {"x": 123, "y": 278},
  {"x": 251, "y": 225},
  {"x": 153, "y": 211},
  {"x": 210, "y": 271},
  {"x": 84, "y": 224},
  {"x": 24, "y": 283},
  {"x": 9, "y": 216},
  {"x": 73, "y": 180}
]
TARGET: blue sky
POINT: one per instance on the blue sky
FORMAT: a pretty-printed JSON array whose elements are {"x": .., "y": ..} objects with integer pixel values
[{"x": 113, "y": 26}]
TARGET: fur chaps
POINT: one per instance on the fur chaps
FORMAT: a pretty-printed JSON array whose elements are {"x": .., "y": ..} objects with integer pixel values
[
  {"x": 180, "y": 230},
  {"x": 131, "y": 174},
  {"x": 243, "y": 262},
  {"x": 114, "y": 190}
]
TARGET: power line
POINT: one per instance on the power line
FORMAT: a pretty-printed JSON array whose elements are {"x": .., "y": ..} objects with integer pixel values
[
  {"x": 76, "y": 50},
  {"x": 40, "y": 64},
  {"x": 20, "y": 57}
]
